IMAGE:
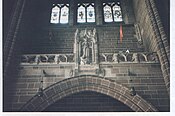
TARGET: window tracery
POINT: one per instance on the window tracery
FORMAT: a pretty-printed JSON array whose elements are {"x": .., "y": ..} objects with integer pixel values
[
  {"x": 112, "y": 12},
  {"x": 60, "y": 14},
  {"x": 86, "y": 13}
]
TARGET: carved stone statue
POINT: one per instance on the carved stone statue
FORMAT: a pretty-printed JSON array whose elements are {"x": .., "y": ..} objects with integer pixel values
[
  {"x": 85, "y": 53},
  {"x": 115, "y": 58},
  {"x": 91, "y": 34},
  {"x": 135, "y": 57},
  {"x": 153, "y": 57}
]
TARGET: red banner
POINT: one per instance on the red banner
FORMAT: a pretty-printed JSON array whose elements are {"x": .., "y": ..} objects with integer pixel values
[{"x": 121, "y": 33}]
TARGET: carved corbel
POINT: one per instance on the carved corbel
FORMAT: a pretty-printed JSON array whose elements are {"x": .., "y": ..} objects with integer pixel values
[
  {"x": 71, "y": 73},
  {"x": 100, "y": 72}
]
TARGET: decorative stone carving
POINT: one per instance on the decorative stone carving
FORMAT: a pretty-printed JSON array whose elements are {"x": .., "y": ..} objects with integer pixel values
[
  {"x": 71, "y": 73},
  {"x": 152, "y": 57},
  {"x": 115, "y": 57},
  {"x": 129, "y": 57},
  {"x": 122, "y": 57},
  {"x": 47, "y": 58},
  {"x": 100, "y": 72},
  {"x": 104, "y": 57},
  {"x": 138, "y": 34},
  {"x": 142, "y": 57},
  {"x": 85, "y": 47},
  {"x": 134, "y": 57},
  {"x": 85, "y": 56}
]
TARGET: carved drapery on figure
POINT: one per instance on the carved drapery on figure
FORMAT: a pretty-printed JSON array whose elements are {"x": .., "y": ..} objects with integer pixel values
[{"x": 85, "y": 46}]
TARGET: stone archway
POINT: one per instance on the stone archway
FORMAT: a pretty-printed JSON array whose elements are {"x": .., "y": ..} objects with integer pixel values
[{"x": 77, "y": 84}]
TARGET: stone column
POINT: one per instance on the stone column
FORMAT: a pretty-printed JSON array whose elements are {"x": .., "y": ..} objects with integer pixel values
[
  {"x": 93, "y": 53},
  {"x": 11, "y": 55},
  {"x": 161, "y": 29},
  {"x": 165, "y": 66},
  {"x": 72, "y": 12},
  {"x": 124, "y": 11},
  {"x": 127, "y": 11},
  {"x": 96, "y": 53},
  {"x": 99, "y": 11},
  {"x": 76, "y": 53},
  {"x": 11, "y": 37}
]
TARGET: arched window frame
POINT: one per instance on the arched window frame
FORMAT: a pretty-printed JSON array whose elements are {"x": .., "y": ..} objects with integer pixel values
[
  {"x": 86, "y": 5},
  {"x": 111, "y": 5},
  {"x": 60, "y": 7}
]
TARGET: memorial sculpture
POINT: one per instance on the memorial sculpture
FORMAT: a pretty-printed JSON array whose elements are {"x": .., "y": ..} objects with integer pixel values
[{"x": 85, "y": 46}]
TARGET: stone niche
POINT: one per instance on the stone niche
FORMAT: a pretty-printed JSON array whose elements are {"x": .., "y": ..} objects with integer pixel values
[{"x": 86, "y": 47}]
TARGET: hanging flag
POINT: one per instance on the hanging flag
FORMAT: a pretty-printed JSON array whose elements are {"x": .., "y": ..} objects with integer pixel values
[{"x": 121, "y": 33}]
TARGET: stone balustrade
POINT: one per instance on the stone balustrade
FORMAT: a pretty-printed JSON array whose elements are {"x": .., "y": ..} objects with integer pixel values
[
  {"x": 129, "y": 57},
  {"x": 47, "y": 58},
  {"x": 104, "y": 58}
]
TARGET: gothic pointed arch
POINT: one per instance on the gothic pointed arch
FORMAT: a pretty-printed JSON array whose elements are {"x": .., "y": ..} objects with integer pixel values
[{"x": 93, "y": 83}]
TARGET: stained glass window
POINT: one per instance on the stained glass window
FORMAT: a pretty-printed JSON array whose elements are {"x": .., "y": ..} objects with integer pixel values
[
  {"x": 117, "y": 13},
  {"x": 55, "y": 15},
  {"x": 86, "y": 13},
  {"x": 90, "y": 13},
  {"x": 64, "y": 14},
  {"x": 112, "y": 12},
  {"x": 60, "y": 13},
  {"x": 81, "y": 14},
  {"x": 107, "y": 13}
]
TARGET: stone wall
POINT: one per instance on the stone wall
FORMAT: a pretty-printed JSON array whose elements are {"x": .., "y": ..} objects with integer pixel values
[
  {"x": 142, "y": 18},
  {"x": 61, "y": 40},
  {"x": 127, "y": 10},
  {"x": 153, "y": 34},
  {"x": 146, "y": 78},
  {"x": 43, "y": 38},
  {"x": 29, "y": 81}
]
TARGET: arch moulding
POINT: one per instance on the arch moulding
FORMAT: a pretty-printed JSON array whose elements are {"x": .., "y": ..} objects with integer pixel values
[{"x": 93, "y": 83}]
